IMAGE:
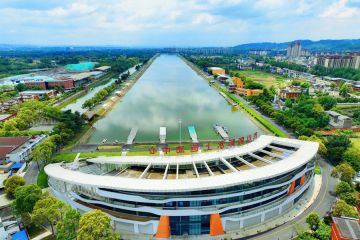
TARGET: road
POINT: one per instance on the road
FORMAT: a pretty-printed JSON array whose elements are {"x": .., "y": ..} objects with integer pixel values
[
  {"x": 32, "y": 172},
  {"x": 321, "y": 205}
]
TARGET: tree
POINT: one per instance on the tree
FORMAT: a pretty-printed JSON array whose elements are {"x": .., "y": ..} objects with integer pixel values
[
  {"x": 95, "y": 225},
  {"x": 327, "y": 102},
  {"x": 305, "y": 236},
  {"x": 352, "y": 156},
  {"x": 313, "y": 219},
  {"x": 343, "y": 171},
  {"x": 88, "y": 104},
  {"x": 341, "y": 208},
  {"x": 43, "y": 152},
  {"x": 10, "y": 125},
  {"x": 345, "y": 89},
  {"x": 67, "y": 228},
  {"x": 12, "y": 183},
  {"x": 26, "y": 198},
  {"x": 323, "y": 232},
  {"x": 350, "y": 198},
  {"x": 343, "y": 187},
  {"x": 21, "y": 87},
  {"x": 336, "y": 146},
  {"x": 48, "y": 211}
]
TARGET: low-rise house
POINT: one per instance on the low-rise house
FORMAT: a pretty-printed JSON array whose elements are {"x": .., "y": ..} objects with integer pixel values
[
  {"x": 249, "y": 92},
  {"x": 10, "y": 230},
  {"x": 18, "y": 149},
  {"x": 6, "y": 106},
  {"x": 289, "y": 93},
  {"x": 345, "y": 228},
  {"x": 216, "y": 70},
  {"x": 223, "y": 78},
  {"x": 36, "y": 94},
  {"x": 245, "y": 63},
  {"x": 231, "y": 86},
  {"x": 339, "y": 121}
]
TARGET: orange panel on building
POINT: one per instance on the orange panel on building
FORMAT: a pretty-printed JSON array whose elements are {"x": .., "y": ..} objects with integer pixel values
[
  {"x": 292, "y": 188},
  {"x": 302, "y": 180},
  {"x": 163, "y": 230},
  {"x": 216, "y": 227},
  {"x": 238, "y": 82}
]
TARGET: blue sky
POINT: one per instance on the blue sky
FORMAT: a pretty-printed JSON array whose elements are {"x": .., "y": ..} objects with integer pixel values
[{"x": 175, "y": 23}]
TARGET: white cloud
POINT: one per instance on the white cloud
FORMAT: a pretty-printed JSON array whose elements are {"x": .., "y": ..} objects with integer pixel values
[
  {"x": 340, "y": 9},
  {"x": 204, "y": 18},
  {"x": 176, "y": 22}
]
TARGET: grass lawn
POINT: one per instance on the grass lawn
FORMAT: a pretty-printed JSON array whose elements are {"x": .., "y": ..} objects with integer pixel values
[
  {"x": 42, "y": 179},
  {"x": 109, "y": 147},
  {"x": 267, "y": 79},
  {"x": 144, "y": 146},
  {"x": 355, "y": 142},
  {"x": 67, "y": 157},
  {"x": 317, "y": 169}
]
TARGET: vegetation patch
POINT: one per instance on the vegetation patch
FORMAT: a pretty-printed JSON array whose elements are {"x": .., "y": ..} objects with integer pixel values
[
  {"x": 42, "y": 179},
  {"x": 257, "y": 116},
  {"x": 317, "y": 169},
  {"x": 266, "y": 79}
]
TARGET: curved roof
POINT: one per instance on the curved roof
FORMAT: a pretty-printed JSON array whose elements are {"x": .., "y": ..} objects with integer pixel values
[{"x": 303, "y": 153}]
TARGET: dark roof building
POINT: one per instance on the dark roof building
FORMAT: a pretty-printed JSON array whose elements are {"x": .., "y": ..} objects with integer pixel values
[{"x": 9, "y": 144}]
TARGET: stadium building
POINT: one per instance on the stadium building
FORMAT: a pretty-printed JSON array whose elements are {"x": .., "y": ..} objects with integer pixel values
[{"x": 209, "y": 193}]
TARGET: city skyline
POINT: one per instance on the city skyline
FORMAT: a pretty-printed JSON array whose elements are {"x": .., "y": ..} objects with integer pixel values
[{"x": 175, "y": 23}]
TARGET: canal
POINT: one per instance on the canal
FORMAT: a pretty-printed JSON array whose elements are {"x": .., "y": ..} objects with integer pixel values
[
  {"x": 168, "y": 91},
  {"x": 77, "y": 105}
]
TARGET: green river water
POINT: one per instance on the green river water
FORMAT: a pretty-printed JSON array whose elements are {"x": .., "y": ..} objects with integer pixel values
[{"x": 168, "y": 91}]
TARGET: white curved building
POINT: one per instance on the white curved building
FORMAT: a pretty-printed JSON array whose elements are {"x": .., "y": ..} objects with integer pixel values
[{"x": 206, "y": 193}]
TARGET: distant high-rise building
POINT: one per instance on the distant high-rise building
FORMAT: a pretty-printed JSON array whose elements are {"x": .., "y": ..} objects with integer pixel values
[
  {"x": 260, "y": 52},
  {"x": 294, "y": 50},
  {"x": 351, "y": 60}
]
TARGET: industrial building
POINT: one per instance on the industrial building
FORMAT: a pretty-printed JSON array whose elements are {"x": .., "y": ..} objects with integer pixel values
[{"x": 208, "y": 194}]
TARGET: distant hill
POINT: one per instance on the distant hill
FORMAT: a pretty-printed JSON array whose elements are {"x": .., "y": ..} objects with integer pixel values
[{"x": 314, "y": 46}]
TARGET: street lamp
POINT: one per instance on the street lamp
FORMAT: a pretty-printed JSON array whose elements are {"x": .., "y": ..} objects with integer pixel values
[{"x": 180, "y": 130}]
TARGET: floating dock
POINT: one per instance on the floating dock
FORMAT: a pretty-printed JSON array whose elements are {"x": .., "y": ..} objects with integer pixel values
[
  {"x": 221, "y": 130},
  {"x": 162, "y": 135},
  {"x": 193, "y": 134},
  {"x": 132, "y": 136}
]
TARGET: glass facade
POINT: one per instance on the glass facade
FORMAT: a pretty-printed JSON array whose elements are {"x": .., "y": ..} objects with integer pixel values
[{"x": 190, "y": 225}]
